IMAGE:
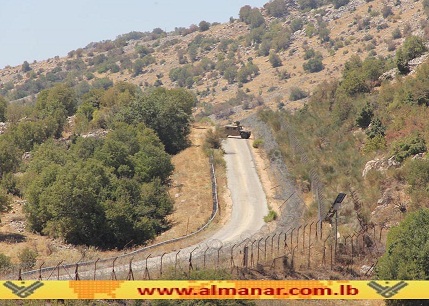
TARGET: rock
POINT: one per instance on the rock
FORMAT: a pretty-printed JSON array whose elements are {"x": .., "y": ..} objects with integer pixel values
[
  {"x": 379, "y": 164},
  {"x": 365, "y": 269}
]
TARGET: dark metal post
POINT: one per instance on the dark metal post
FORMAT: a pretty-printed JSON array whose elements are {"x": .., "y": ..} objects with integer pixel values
[
  {"x": 175, "y": 264},
  {"x": 95, "y": 267},
  {"x": 160, "y": 266},
  {"x": 232, "y": 256},
  {"x": 40, "y": 270},
  {"x": 265, "y": 248},
  {"x": 204, "y": 263}
]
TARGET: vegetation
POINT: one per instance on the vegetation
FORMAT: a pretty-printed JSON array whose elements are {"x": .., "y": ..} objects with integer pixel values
[
  {"x": 406, "y": 253},
  {"x": 412, "y": 48}
]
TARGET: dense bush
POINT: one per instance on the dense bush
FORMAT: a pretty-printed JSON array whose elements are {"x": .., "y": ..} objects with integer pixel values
[
  {"x": 276, "y": 8},
  {"x": 408, "y": 147},
  {"x": 412, "y": 48},
  {"x": 297, "y": 93}
]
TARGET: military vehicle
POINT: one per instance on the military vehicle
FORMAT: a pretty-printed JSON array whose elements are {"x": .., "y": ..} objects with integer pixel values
[{"x": 237, "y": 130}]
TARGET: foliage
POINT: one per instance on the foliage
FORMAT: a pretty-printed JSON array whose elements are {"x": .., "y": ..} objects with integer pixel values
[
  {"x": 257, "y": 143},
  {"x": 3, "y": 108},
  {"x": 276, "y": 8},
  {"x": 307, "y": 4},
  {"x": 339, "y": 3},
  {"x": 297, "y": 93},
  {"x": 412, "y": 48},
  {"x": 101, "y": 192},
  {"x": 25, "y": 67},
  {"x": 251, "y": 16},
  {"x": 247, "y": 72},
  {"x": 407, "y": 252},
  {"x": 167, "y": 112},
  {"x": 272, "y": 215},
  {"x": 275, "y": 60},
  {"x": 296, "y": 24},
  {"x": 203, "y": 26},
  {"x": 27, "y": 258},
  {"x": 213, "y": 139},
  {"x": 376, "y": 128},
  {"x": 365, "y": 116},
  {"x": 313, "y": 65},
  {"x": 409, "y": 146},
  {"x": 5, "y": 263}
]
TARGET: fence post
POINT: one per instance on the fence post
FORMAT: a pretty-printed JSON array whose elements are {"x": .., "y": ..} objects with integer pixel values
[
  {"x": 146, "y": 270},
  {"x": 278, "y": 244},
  {"x": 113, "y": 269},
  {"x": 190, "y": 262},
  {"x": 76, "y": 272},
  {"x": 265, "y": 248},
  {"x": 175, "y": 264},
  {"x": 130, "y": 275},
  {"x": 245, "y": 256},
  {"x": 297, "y": 235},
  {"x": 40, "y": 271},
  {"x": 309, "y": 234},
  {"x": 257, "y": 259},
  {"x": 252, "y": 262},
  {"x": 303, "y": 237},
  {"x": 160, "y": 268},
  {"x": 272, "y": 244},
  {"x": 95, "y": 267},
  {"x": 204, "y": 262},
  {"x": 232, "y": 256},
  {"x": 58, "y": 269}
]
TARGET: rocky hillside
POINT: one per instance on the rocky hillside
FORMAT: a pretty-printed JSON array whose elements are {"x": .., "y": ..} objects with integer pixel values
[{"x": 269, "y": 60}]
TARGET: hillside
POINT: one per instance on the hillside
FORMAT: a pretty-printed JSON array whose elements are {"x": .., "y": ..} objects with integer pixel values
[
  {"x": 324, "y": 79},
  {"x": 356, "y": 28}
]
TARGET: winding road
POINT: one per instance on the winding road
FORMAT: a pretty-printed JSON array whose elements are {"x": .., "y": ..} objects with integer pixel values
[{"x": 249, "y": 206}]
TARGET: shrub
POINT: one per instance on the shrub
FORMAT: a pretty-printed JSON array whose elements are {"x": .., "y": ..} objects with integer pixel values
[
  {"x": 376, "y": 128},
  {"x": 412, "y": 48},
  {"x": 297, "y": 93},
  {"x": 313, "y": 65},
  {"x": 5, "y": 263},
  {"x": 275, "y": 60},
  {"x": 412, "y": 145},
  {"x": 27, "y": 258},
  {"x": 257, "y": 143},
  {"x": 296, "y": 24},
  {"x": 365, "y": 116},
  {"x": 203, "y": 26},
  {"x": 396, "y": 33},
  {"x": 272, "y": 215}
]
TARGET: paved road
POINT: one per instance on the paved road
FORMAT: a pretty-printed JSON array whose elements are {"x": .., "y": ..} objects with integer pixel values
[
  {"x": 248, "y": 197},
  {"x": 249, "y": 206}
]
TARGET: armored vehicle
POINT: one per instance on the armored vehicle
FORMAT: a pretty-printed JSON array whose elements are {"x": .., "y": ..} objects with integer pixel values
[{"x": 237, "y": 130}]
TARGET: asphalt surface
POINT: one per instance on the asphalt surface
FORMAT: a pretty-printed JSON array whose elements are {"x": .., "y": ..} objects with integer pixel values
[{"x": 249, "y": 204}]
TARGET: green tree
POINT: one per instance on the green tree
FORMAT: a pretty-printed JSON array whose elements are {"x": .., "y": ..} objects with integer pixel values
[
  {"x": 412, "y": 48},
  {"x": 25, "y": 67},
  {"x": 313, "y": 65},
  {"x": 376, "y": 128},
  {"x": 407, "y": 253},
  {"x": 3, "y": 108},
  {"x": 275, "y": 60},
  {"x": 167, "y": 112},
  {"x": 203, "y": 26},
  {"x": 276, "y": 8},
  {"x": 365, "y": 116},
  {"x": 27, "y": 258}
]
